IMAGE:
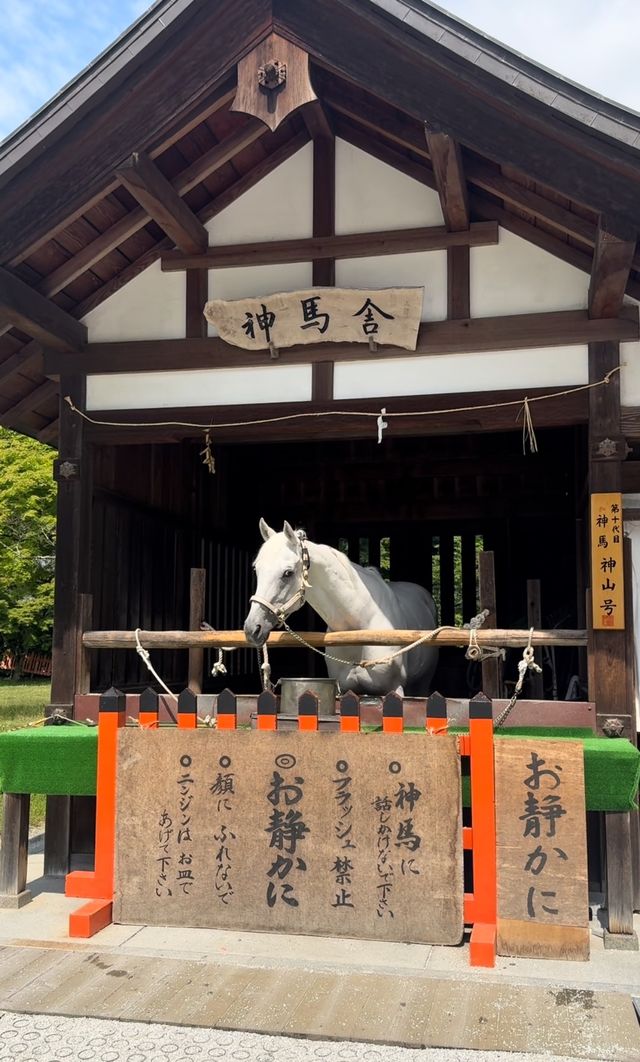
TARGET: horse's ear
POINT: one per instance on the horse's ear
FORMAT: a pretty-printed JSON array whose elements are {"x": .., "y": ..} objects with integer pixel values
[
  {"x": 266, "y": 531},
  {"x": 290, "y": 534}
]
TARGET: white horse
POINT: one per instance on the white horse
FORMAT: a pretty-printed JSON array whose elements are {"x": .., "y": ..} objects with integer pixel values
[{"x": 290, "y": 570}]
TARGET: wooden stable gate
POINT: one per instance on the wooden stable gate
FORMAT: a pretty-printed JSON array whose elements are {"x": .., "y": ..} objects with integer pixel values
[{"x": 477, "y": 747}]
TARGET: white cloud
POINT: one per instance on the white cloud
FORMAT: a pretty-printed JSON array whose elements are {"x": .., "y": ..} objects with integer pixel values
[{"x": 45, "y": 43}]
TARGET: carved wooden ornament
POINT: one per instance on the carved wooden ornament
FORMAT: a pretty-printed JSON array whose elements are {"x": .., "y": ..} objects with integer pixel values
[{"x": 273, "y": 81}]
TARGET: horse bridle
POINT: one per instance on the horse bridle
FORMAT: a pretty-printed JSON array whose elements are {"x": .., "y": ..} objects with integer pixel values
[{"x": 300, "y": 595}]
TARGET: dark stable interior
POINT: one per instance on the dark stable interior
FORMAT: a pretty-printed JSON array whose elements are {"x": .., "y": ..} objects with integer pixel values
[{"x": 420, "y": 508}]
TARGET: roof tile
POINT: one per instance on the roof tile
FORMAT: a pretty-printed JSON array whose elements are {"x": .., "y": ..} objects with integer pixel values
[
  {"x": 614, "y": 129},
  {"x": 573, "y": 109},
  {"x": 425, "y": 25},
  {"x": 496, "y": 67},
  {"x": 460, "y": 46},
  {"x": 535, "y": 89}
]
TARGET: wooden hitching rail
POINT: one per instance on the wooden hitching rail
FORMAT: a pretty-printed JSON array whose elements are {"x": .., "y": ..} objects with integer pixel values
[{"x": 479, "y": 838}]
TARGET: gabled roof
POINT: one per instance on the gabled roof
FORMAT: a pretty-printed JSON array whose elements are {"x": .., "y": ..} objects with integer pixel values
[{"x": 541, "y": 155}]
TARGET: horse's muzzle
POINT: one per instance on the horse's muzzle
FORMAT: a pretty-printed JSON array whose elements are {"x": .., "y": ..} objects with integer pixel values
[{"x": 257, "y": 627}]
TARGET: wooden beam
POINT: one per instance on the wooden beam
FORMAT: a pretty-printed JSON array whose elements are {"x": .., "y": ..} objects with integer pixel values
[
  {"x": 352, "y": 245},
  {"x": 430, "y": 85},
  {"x": 615, "y": 248},
  {"x": 221, "y": 202},
  {"x": 317, "y": 121},
  {"x": 40, "y": 318},
  {"x": 49, "y": 434},
  {"x": 158, "y": 198},
  {"x": 483, "y": 411},
  {"x": 135, "y": 220},
  {"x": 30, "y": 402},
  {"x": 195, "y": 54},
  {"x": 22, "y": 359},
  {"x": 446, "y": 160},
  {"x": 473, "y": 335}
]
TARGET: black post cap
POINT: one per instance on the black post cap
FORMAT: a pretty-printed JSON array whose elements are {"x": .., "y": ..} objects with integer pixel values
[{"x": 113, "y": 700}]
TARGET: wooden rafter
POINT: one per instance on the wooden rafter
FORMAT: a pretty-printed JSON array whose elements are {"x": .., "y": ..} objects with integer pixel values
[
  {"x": 29, "y": 403},
  {"x": 396, "y": 128},
  {"x": 615, "y": 248},
  {"x": 351, "y": 245},
  {"x": 170, "y": 75},
  {"x": 521, "y": 331},
  {"x": 26, "y": 309},
  {"x": 157, "y": 196},
  {"x": 49, "y": 434},
  {"x": 22, "y": 359},
  {"x": 107, "y": 241},
  {"x": 410, "y": 76},
  {"x": 317, "y": 121},
  {"x": 221, "y": 202},
  {"x": 446, "y": 160}
]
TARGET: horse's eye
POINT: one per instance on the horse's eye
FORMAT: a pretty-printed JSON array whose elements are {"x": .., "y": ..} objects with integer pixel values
[{"x": 287, "y": 573}]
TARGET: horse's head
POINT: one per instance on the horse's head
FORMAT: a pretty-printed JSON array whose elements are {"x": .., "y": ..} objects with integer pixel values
[{"x": 281, "y": 570}]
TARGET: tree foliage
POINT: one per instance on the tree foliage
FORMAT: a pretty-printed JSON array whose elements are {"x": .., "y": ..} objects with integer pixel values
[{"x": 27, "y": 543}]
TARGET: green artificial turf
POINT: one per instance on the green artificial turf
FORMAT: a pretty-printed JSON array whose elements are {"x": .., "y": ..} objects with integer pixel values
[
  {"x": 62, "y": 760},
  {"x": 22, "y": 703}
]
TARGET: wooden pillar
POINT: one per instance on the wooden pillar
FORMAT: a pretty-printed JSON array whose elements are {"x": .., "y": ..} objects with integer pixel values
[
  {"x": 72, "y": 580},
  {"x": 608, "y": 665},
  {"x": 534, "y": 619},
  {"x": 492, "y": 668},
  {"x": 196, "y": 616},
  {"x": 324, "y": 270},
  {"x": 15, "y": 846}
]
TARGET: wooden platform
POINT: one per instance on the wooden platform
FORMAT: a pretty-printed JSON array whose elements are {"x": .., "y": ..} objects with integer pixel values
[{"x": 413, "y": 1010}]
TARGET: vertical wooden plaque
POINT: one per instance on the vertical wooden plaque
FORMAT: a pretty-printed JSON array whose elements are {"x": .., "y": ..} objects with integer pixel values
[
  {"x": 607, "y": 563},
  {"x": 543, "y": 902}
]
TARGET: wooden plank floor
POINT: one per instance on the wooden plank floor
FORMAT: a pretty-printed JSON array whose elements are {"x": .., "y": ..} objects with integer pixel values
[{"x": 411, "y": 1010}]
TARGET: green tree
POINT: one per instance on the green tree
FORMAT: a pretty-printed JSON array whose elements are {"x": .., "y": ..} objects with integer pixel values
[{"x": 27, "y": 543}]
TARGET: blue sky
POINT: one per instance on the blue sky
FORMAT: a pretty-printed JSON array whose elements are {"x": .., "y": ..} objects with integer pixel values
[{"x": 45, "y": 43}]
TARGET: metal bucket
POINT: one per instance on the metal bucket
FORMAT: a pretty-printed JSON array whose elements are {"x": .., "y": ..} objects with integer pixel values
[{"x": 325, "y": 689}]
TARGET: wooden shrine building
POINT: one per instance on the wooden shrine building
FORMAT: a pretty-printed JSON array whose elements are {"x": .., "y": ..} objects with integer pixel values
[{"x": 232, "y": 149}]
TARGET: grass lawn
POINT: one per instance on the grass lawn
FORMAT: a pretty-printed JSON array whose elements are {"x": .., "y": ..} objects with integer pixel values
[{"x": 22, "y": 703}]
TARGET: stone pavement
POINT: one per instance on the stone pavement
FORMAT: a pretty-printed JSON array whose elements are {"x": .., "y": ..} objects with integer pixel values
[
  {"x": 354, "y": 993},
  {"x": 27, "y": 1038}
]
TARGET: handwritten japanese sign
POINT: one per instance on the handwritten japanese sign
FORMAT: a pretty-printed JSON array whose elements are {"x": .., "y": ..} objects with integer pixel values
[
  {"x": 389, "y": 316},
  {"x": 543, "y": 905},
  {"x": 308, "y": 833},
  {"x": 607, "y": 565}
]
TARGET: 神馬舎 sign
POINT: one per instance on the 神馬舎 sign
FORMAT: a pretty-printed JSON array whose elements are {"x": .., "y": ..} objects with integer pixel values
[
  {"x": 543, "y": 901},
  {"x": 389, "y": 316},
  {"x": 607, "y": 562},
  {"x": 292, "y": 832}
]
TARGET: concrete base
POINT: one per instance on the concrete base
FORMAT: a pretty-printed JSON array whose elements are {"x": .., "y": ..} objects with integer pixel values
[
  {"x": 15, "y": 900},
  {"x": 621, "y": 941}
]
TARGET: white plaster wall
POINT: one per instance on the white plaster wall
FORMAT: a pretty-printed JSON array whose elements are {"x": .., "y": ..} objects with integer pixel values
[
  {"x": 371, "y": 196},
  {"x": 630, "y": 371},
  {"x": 514, "y": 276},
  {"x": 151, "y": 306},
  {"x": 462, "y": 373},
  {"x": 423, "y": 269},
  {"x": 279, "y": 207},
  {"x": 202, "y": 387}
]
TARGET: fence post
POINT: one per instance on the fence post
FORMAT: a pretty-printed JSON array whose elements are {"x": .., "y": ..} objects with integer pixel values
[
  {"x": 267, "y": 711},
  {"x": 392, "y": 714},
  {"x": 350, "y": 714},
  {"x": 307, "y": 711},
  {"x": 97, "y": 885},
  {"x": 148, "y": 708},
  {"x": 187, "y": 710},
  {"x": 482, "y": 947},
  {"x": 227, "y": 711}
]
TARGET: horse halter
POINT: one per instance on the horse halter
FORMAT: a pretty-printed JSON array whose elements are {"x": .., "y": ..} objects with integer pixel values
[{"x": 283, "y": 611}]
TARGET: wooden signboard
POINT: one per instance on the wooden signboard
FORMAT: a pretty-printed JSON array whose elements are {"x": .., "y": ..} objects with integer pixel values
[
  {"x": 607, "y": 564},
  {"x": 543, "y": 902},
  {"x": 388, "y": 316},
  {"x": 292, "y": 832}
]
